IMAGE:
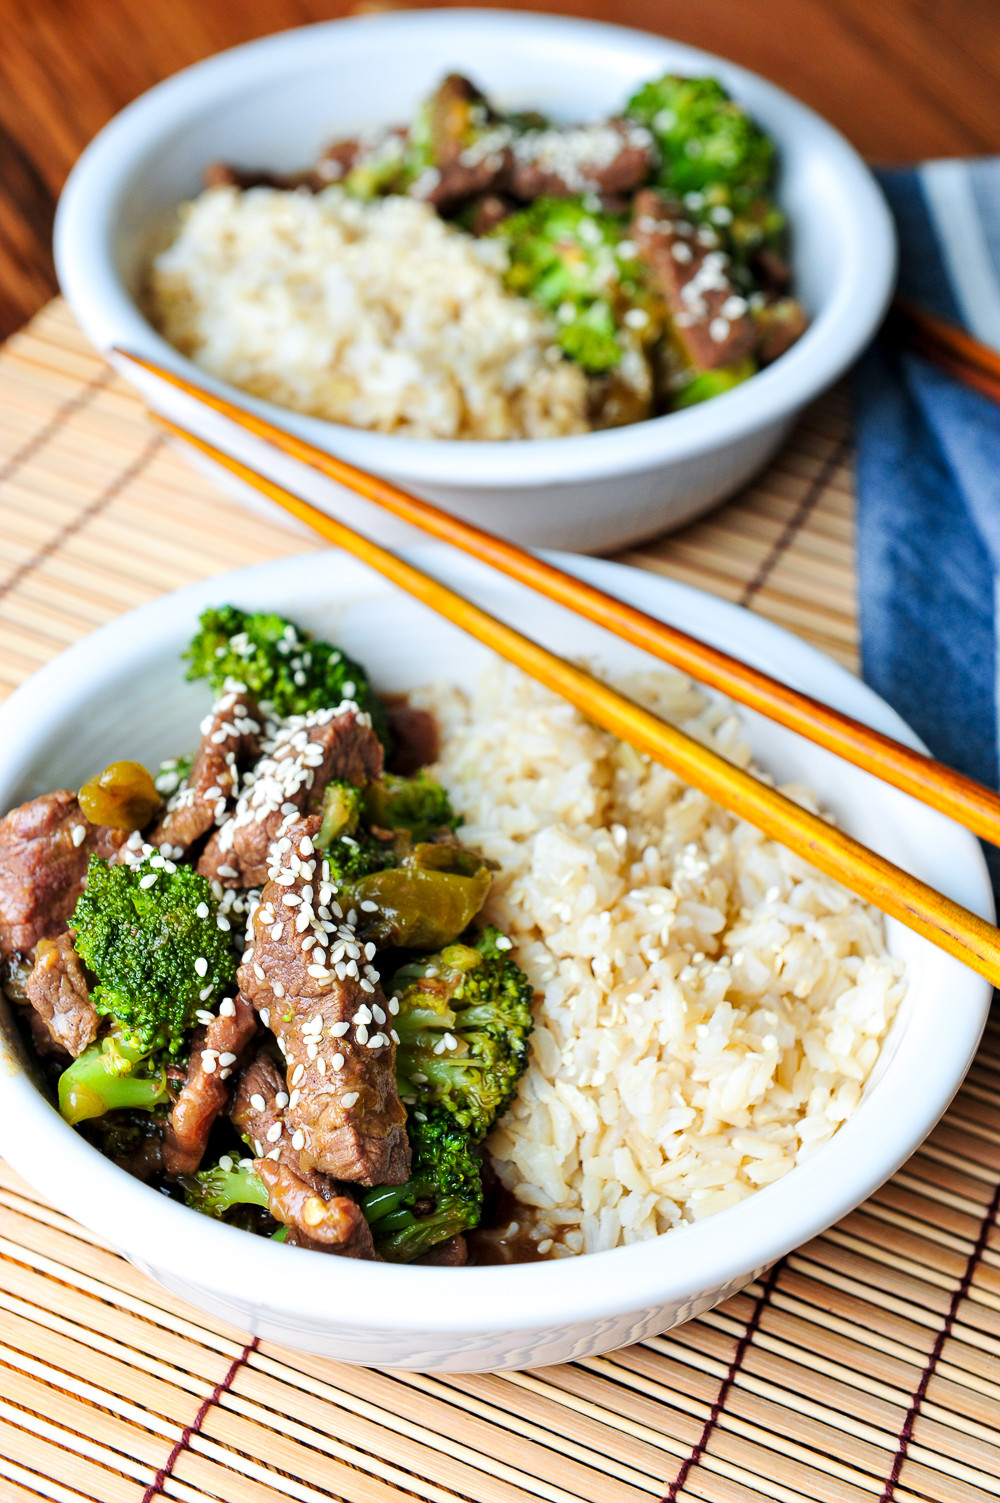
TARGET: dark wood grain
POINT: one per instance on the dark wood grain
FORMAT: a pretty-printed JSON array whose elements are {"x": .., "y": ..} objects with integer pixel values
[{"x": 902, "y": 78}]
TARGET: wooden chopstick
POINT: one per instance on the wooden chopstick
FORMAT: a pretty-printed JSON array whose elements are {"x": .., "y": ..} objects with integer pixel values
[
  {"x": 953, "y": 349},
  {"x": 929, "y": 913},
  {"x": 952, "y": 793}
]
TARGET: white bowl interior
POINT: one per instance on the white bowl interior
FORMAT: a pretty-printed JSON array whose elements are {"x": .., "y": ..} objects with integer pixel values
[{"x": 121, "y": 693}]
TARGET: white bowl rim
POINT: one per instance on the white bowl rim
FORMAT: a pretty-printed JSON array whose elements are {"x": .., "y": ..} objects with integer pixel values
[
  {"x": 858, "y": 301},
  {"x": 705, "y": 1256}
]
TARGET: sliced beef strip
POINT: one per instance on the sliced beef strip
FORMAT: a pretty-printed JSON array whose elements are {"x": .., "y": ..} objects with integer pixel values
[
  {"x": 609, "y": 158},
  {"x": 470, "y": 147},
  {"x": 42, "y": 1042},
  {"x": 215, "y": 1051},
  {"x": 454, "y": 1253},
  {"x": 230, "y": 742},
  {"x": 289, "y": 780},
  {"x": 318, "y": 1212},
  {"x": 57, "y": 989},
  {"x": 309, "y": 977},
  {"x": 710, "y": 319},
  {"x": 44, "y": 849},
  {"x": 222, "y": 175},
  {"x": 416, "y": 738}
]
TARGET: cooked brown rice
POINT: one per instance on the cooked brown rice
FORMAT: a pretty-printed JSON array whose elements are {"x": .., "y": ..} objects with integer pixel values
[
  {"x": 711, "y": 1005},
  {"x": 376, "y": 314}
]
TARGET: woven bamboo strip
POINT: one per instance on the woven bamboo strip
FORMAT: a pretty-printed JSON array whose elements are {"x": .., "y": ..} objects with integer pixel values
[{"x": 376, "y": 1397}]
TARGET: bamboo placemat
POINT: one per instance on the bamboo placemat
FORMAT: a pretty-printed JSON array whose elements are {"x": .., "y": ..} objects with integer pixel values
[{"x": 862, "y": 1367}]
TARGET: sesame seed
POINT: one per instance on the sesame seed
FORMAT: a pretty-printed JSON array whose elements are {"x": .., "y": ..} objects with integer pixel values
[
  {"x": 299, "y": 1139},
  {"x": 362, "y": 1034},
  {"x": 227, "y": 1059},
  {"x": 257, "y": 1102},
  {"x": 297, "y": 1074},
  {"x": 337, "y": 1030},
  {"x": 201, "y": 966},
  {"x": 206, "y": 992},
  {"x": 337, "y": 1061},
  {"x": 228, "y": 871},
  {"x": 278, "y": 990},
  {"x": 209, "y": 1061},
  {"x": 273, "y": 1132},
  {"x": 350, "y": 1098},
  {"x": 258, "y": 970},
  {"x": 259, "y": 1147},
  {"x": 265, "y": 1013},
  {"x": 367, "y": 906},
  {"x": 148, "y": 880},
  {"x": 78, "y": 834},
  {"x": 377, "y": 1041},
  {"x": 503, "y": 943}
]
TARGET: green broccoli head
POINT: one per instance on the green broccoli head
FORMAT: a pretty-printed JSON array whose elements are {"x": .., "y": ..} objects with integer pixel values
[
  {"x": 229, "y": 1183},
  {"x": 565, "y": 255},
  {"x": 463, "y": 1024},
  {"x": 112, "y": 1076},
  {"x": 416, "y": 804},
  {"x": 702, "y": 135},
  {"x": 342, "y": 806},
  {"x": 151, "y": 935},
  {"x": 442, "y": 1197},
  {"x": 284, "y": 668},
  {"x": 352, "y": 857}
]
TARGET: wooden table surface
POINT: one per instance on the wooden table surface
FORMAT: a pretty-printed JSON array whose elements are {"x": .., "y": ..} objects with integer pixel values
[{"x": 902, "y": 78}]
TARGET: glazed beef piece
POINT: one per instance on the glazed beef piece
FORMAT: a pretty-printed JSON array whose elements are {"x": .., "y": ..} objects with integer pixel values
[
  {"x": 296, "y": 765},
  {"x": 454, "y": 1253},
  {"x": 319, "y": 1213},
  {"x": 710, "y": 319},
  {"x": 416, "y": 739},
  {"x": 216, "y": 1049},
  {"x": 309, "y": 977},
  {"x": 44, "y": 849},
  {"x": 57, "y": 990},
  {"x": 608, "y": 159},
  {"x": 469, "y": 148},
  {"x": 222, "y": 175},
  {"x": 230, "y": 743}
]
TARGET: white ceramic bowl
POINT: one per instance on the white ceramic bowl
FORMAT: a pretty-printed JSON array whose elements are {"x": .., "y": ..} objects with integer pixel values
[
  {"x": 274, "y": 103},
  {"x": 121, "y": 693}
]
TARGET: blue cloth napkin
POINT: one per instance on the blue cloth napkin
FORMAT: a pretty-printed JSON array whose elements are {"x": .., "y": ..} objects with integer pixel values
[{"x": 929, "y": 481}]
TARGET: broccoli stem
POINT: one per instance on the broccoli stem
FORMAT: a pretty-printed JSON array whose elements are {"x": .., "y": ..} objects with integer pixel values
[{"x": 102, "y": 1080}]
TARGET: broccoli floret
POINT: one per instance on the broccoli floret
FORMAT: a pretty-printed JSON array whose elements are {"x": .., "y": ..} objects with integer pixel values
[
  {"x": 283, "y": 667},
  {"x": 342, "y": 806},
  {"x": 150, "y": 935},
  {"x": 564, "y": 255},
  {"x": 475, "y": 1002},
  {"x": 417, "y": 804},
  {"x": 229, "y": 1183},
  {"x": 702, "y": 135},
  {"x": 110, "y": 1076},
  {"x": 443, "y": 1196},
  {"x": 353, "y": 857},
  {"x": 171, "y": 774},
  {"x": 709, "y": 384}
]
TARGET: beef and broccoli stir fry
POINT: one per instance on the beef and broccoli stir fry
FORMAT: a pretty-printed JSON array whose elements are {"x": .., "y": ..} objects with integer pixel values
[
  {"x": 259, "y": 980},
  {"x": 652, "y": 241}
]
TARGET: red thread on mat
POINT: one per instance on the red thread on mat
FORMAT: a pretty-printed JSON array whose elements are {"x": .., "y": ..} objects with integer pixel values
[
  {"x": 184, "y": 1440},
  {"x": 906, "y": 1433},
  {"x": 698, "y": 1449}
]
